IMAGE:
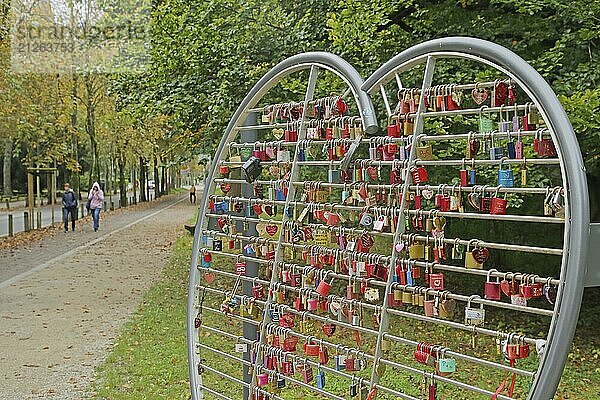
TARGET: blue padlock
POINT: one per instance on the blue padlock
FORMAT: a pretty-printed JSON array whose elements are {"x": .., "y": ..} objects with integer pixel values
[
  {"x": 279, "y": 195},
  {"x": 301, "y": 155},
  {"x": 320, "y": 379},
  {"x": 506, "y": 177},
  {"x": 409, "y": 277}
]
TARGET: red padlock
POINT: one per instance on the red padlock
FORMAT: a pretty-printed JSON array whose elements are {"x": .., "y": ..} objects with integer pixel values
[
  {"x": 389, "y": 151},
  {"x": 393, "y": 129},
  {"x": 287, "y": 368},
  {"x": 311, "y": 349},
  {"x": 224, "y": 169},
  {"x": 289, "y": 344},
  {"x": 492, "y": 289},
  {"x": 436, "y": 281},
  {"x": 290, "y": 135},
  {"x": 207, "y": 257},
  {"x": 324, "y": 287},
  {"x": 419, "y": 175},
  {"x": 240, "y": 268},
  {"x": 498, "y": 205}
]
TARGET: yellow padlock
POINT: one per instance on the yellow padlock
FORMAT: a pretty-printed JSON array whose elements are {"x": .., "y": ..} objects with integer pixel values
[{"x": 470, "y": 261}]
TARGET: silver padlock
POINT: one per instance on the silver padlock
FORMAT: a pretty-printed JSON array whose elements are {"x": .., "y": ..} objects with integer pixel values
[{"x": 474, "y": 316}]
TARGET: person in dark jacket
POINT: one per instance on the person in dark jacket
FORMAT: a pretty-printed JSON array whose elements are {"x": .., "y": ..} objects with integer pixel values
[{"x": 69, "y": 201}]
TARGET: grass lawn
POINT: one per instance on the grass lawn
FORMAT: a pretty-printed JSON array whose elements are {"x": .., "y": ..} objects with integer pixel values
[{"x": 149, "y": 360}]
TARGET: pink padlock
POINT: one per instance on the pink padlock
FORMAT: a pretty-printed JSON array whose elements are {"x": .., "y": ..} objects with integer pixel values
[{"x": 263, "y": 379}]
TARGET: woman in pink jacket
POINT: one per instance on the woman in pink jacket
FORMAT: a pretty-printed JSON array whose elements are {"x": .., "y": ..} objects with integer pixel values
[{"x": 96, "y": 201}]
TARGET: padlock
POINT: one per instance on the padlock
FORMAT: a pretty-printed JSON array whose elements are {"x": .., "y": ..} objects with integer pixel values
[
  {"x": 498, "y": 204},
  {"x": 429, "y": 305},
  {"x": 339, "y": 361},
  {"x": 334, "y": 176},
  {"x": 323, "y": 355},
  {"x": 408, "y": 126},
  {"x": 436, "y": 281},
  {"x": 280, "y": 383},
  {"x": 425, "y": 152},
  {"x": 393, "y": 128},
  {"x": 445, "y": 365},
  {"x": 416, "y": 250},
  {"x": 496, "y": 152},
  {"x": 320, "y": 379},
  {"x": 406, "y": 297},
  {"x": 262, "y": 379},
  {"x": 251, "y": 169},
  {"x": 474, "y": 316},
  {"x": 419, "y": 175},
  {"x": 446, "y": 308},
  {"x": 506, "y": 177},
  {"x": 307, "y": 373},
  {"x": 492, "y": 289},
  {"x": 311, "y": 349},
  {"x": 324, "y": 287},
  {"x": 287, "y": 368},
  {"x": 470, "y": 261}
]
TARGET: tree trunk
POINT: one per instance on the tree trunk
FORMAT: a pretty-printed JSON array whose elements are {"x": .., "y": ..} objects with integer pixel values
[
  {"x": 134, "y": 184},
  {"x": 143, "y": 179},
  {"x": 156, "y": 179},
  {"x": 7, "y": 165},
  {"x": 122, "y": 185}
]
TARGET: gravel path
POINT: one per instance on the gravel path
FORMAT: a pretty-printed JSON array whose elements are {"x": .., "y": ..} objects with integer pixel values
[{"x": 59, "y": 322}]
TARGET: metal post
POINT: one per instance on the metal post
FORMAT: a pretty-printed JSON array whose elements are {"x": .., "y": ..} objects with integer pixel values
[
  {"x": 10, "y": 225},
  {"x": 53, "y": 194},
  {"x": 112, "y": 205},
  {"x": 26, "y": 226},
  {"x": 29, "y": 224}
]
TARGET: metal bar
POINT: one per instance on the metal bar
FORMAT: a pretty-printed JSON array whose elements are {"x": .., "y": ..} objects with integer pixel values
[
  {"x": 329, "y": 206},
  {"x": 214, "y": 393},
  {"x": 400, "y": 227},
  {"x": 385, "y": 100},
  {"x": 420, "y": 238},
  {"x": 455, "y": 162},
  {"x": 246, "y": 190},
  {"x": 514, "y": 218},
  {"x": 388, "y": 139},
  {"x": 443, "y": 188},
  {"x": 481, "y": 110}
]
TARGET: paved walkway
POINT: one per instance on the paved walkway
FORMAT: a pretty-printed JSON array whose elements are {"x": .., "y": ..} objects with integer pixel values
[{"x": 64, "y": 299}]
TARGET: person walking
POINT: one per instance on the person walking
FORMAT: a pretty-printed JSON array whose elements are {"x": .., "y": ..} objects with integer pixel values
[
  {"x": 69, "y": 202},
  {"x": 96, "y": 201},
  {"x": 193, "y": 194}
]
